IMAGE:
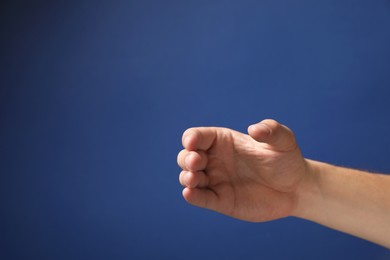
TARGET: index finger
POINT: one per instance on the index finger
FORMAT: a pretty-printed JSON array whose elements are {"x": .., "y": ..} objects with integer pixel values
[{"x": 199, "y": 138}]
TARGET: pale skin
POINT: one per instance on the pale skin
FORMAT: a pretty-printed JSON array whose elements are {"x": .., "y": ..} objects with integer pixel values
[{"x": 263, "y": 176}]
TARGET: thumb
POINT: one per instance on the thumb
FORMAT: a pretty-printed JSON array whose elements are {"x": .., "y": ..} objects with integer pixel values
[{"x": 269, "y": 131}]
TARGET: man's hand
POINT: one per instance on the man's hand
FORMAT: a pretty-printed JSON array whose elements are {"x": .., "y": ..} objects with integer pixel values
[
  {"x": 251, "y": 177},
  {"x": 263, "y": 176}
]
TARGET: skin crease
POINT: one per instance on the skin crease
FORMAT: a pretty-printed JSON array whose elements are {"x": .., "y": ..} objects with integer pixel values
[
  {"x": 263, "y": 176},
  {"x": 235, "y": 174}
]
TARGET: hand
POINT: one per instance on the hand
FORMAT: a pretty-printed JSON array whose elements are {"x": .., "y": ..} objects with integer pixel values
[{"x": 251, "y": 177}]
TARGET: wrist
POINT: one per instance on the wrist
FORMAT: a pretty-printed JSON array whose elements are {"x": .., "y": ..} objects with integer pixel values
[{"x": 308, "y": 193}]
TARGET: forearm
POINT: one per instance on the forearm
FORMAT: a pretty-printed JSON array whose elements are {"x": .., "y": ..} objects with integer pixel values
[{"x": 347, "y": 200}]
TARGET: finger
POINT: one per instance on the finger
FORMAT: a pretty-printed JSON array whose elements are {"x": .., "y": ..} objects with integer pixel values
[
  {"x": 196, "y": 161},
  {"x": 191, "y": 160},
  {"x": 204, "y": 198},
  {"x": 200, "y": 138},
  {"x": 181, "y": 159},
  {"x": 269, "y": 131},
  {"x": 194, "y": 179}
]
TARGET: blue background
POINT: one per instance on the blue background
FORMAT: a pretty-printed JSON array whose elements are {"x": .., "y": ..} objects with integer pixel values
[{"x": 95, "y": 95}]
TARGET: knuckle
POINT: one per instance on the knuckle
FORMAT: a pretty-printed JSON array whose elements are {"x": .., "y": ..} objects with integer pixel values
[
  {"x": 180, "y": 158},
  {"x": 181, "y": 178}
]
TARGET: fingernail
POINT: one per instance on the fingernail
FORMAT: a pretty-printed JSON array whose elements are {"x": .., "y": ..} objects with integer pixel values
[{"x": 265, "y": 128}]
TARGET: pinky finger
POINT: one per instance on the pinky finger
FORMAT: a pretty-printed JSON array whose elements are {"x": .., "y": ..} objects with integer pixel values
[{"x": 204, "y": 198}]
